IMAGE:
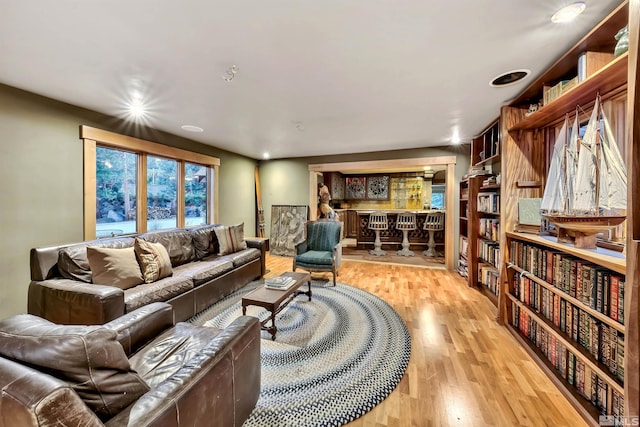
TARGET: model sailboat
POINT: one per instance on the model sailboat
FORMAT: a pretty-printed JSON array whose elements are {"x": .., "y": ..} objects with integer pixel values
[{"x": 587, "y": 182}]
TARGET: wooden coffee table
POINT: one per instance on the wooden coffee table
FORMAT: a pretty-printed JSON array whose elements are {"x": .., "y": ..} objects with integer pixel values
[{"x": 275, "y": 300}]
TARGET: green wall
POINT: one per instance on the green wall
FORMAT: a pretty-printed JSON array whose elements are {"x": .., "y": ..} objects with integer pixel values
[{"x": 41, "y": 202}]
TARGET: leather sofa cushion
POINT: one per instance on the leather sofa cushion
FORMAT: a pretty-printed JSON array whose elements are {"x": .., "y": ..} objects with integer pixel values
[
  {"x": 169, "y": 352},
  {"x": 205, "y": 241},
  {"x": 114, "y": 267},
  {"x": 230, "y": 238},
  {"x": 89, "y": 358},
  {"x": 159, "y": 291},
  {"x": 203, "y": 271},
  {"x": 154, "y": 260},
  {"x": 178, "y": 243},
  {"x": 242, "y": 257},
  {"x": 72, "y": 260}
]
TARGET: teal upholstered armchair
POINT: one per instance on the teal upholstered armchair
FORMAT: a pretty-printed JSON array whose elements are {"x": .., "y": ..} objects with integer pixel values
[{"x": 321, "y": 250}]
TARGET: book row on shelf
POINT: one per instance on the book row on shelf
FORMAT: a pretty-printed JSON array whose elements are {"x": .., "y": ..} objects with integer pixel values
[
  {"x": 603, "y": 342},
  {"x": 463, "y": 267},
  {"x": 596, "y": 287},
  {"x": 490, "y": 228},
  {"x": 489, "y": 202},
  {"x": 586, "y": 381},
  {"x": 489, "y": 277},
  {"x": 489, "y": 252}
]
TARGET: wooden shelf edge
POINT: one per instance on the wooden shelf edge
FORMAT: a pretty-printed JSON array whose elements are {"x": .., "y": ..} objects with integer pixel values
[
  {"x": 603, "y": 257},
  {"x": 488, "y": 160},
  {"x": 604, "y": 81}
]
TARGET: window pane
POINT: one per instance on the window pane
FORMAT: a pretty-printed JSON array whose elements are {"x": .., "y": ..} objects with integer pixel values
[
  {"x": 161, "y": 193},
  {"x": 195, "y": 194},
  {"x": 115, "y": 192},
  {"x": 437, "y": 196}
]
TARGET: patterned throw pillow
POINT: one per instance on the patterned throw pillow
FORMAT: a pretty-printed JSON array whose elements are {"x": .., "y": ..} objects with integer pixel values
[
  {"x": 114, "y": 267},
  {"x": 154, "y": 260},
  {"x": 231, "y": 238}
]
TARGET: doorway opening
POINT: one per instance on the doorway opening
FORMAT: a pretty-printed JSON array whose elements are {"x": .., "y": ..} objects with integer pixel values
[{"x": 447, "y": 163}]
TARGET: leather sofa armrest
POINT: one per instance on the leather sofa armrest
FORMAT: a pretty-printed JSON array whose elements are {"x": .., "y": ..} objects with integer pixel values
[
  {"x": 32, "y": 398},
  {"x": 226, "y": 371},
  {"x": 260, "y": 244},
  {"x": 75, "y": 303},
  {"x": 139, "y": 327}
]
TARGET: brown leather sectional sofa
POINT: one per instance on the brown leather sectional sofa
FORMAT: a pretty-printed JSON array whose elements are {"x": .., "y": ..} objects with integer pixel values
[
  {"x": 61, "y": 288},
  {"x": 137, "y": 370}
]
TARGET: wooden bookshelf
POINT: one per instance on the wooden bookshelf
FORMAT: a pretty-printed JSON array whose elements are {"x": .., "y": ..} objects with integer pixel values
[
  {"x": 527, "y": 141},
  {"x": 486, "y": 152},
  {"x": 539, "y": 307}
]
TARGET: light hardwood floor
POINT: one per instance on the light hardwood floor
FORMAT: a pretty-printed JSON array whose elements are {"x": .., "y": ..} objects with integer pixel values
[{"x": 465, "y": 369}]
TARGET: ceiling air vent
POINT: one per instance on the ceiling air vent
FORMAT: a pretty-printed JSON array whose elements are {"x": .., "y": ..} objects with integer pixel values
[{"x": 509, "y": 77}]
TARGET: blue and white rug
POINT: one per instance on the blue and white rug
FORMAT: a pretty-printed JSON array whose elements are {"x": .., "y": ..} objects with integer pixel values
[{"x": 334, "y": 358}]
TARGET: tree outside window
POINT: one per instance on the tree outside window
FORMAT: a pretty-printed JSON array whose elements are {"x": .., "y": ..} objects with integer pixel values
[
  {"x": 116, "y": 191},
  {"x": 162, "y": 188},
  {"x": 195, "y": 194}
]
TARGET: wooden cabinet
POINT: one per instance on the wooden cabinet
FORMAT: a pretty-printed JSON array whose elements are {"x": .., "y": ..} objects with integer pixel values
[
  {"x": 335, "y": 183},
  {"x": 576, "y": 338},
  {"x": 352, "y": 224}
]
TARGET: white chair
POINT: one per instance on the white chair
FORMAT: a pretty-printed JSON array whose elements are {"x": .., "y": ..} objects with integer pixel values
[
  {"x": 377, "y": 222},
  {"x": 406, "y": 222},
  {"x": 432, "y": 223}
]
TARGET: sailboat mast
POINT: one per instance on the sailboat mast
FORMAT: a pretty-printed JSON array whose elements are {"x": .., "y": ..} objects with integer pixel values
[
  {"x": 564, "y": 164},
  {"x": 597, "y": 158}
]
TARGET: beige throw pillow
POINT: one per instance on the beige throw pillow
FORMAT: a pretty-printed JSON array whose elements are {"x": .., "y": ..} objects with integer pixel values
[
  {"x": 114, "y": 267},
  {"x": 154, "y": 260},
  {"x": 231, "y": 238}
]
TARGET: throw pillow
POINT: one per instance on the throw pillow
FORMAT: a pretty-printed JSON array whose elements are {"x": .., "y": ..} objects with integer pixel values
[
  {"x": 154, "y": 260},
  {"x": 114, "y": 267},
  {"x": 231, "y": 238},
  {"x": 89, "y": 358}
]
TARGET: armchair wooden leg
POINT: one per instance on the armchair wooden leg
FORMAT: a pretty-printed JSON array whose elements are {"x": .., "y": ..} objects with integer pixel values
[{"x": 334, "y": 277}]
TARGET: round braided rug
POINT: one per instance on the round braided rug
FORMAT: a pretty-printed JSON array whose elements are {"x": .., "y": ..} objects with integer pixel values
[{"x": 334, "y": 358}]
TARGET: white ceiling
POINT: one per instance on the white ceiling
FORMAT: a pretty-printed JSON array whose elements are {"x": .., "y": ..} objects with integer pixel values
[{"x": 315, "y": 77}]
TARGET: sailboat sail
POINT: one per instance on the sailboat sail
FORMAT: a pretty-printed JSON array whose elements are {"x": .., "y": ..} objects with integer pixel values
[
  {"x": 599, "y": 162},
  {"x": 562, "y": 171},
  {"x": 555, "y": 193}
]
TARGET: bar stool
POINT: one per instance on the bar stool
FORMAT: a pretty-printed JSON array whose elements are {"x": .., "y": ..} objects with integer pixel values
[
  {"x": 432, "y": 223},
  {"x": 377, "y": 222},
  {"x": 406, "y": 222}
]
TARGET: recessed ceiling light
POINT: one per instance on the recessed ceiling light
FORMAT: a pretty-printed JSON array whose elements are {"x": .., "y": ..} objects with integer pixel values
[
  {"x": 508, "y": 78},
  {"x": 137, "y": 108},
  {"x": 191, "y": 128},
  {"x": 568, "y": 13},
  {"x": 265, "y": 156},
  {"x": 455, "y": 136}
]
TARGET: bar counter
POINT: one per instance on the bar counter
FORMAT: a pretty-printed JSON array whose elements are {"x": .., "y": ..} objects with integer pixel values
[{"x": 390, "y": 238}]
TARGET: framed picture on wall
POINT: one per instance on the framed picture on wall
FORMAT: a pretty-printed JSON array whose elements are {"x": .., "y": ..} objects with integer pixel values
[
  {"x": 356, "y": 187},
  {"x": 378, "y": 187}
]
